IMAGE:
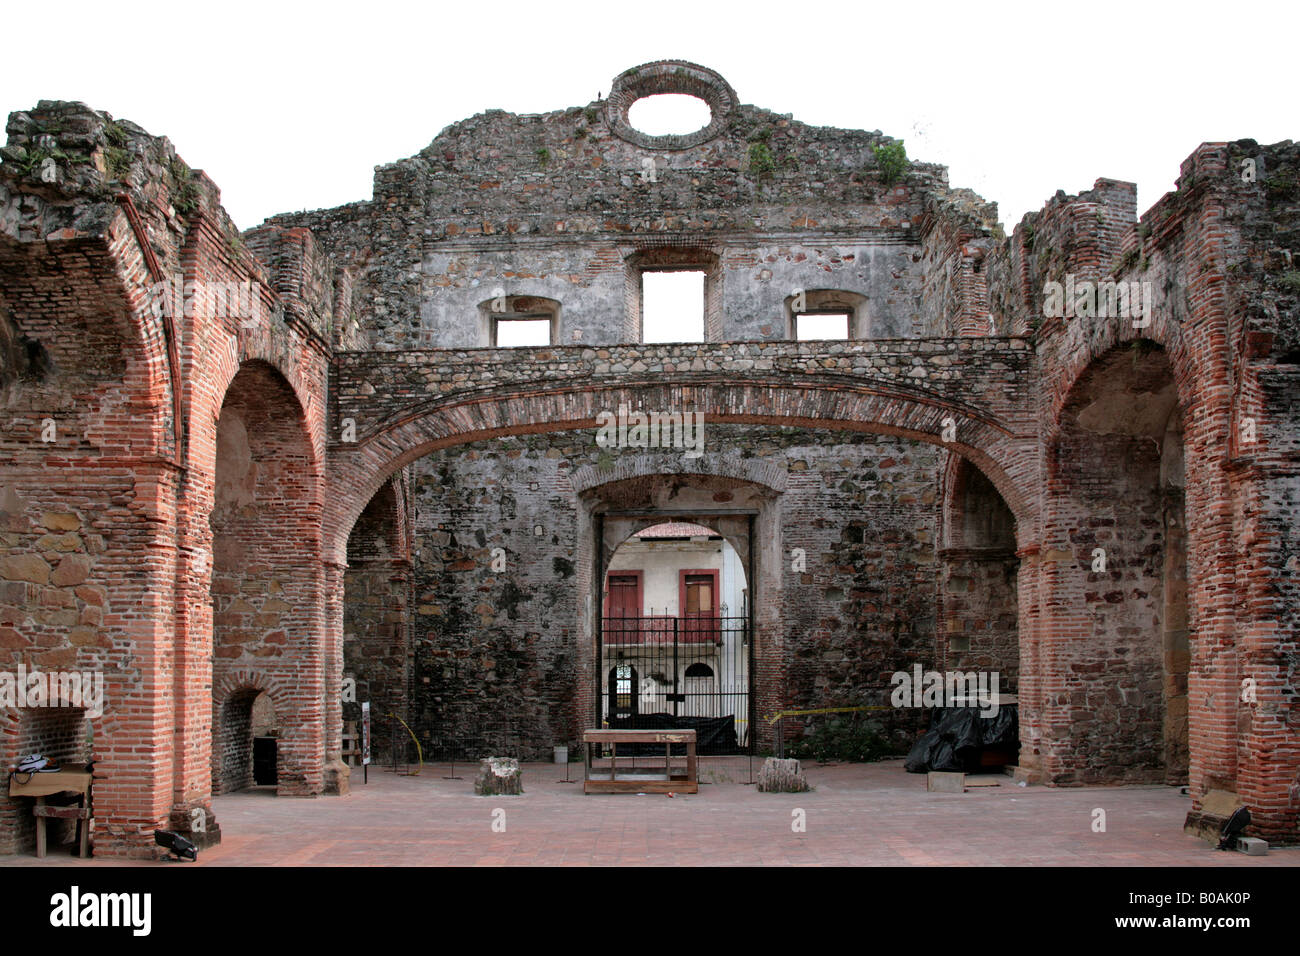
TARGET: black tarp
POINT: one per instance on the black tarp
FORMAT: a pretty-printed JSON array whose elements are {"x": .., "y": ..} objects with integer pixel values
[
  {"x": 959, "y": 735},
  {"x": 712, "y": 734}
]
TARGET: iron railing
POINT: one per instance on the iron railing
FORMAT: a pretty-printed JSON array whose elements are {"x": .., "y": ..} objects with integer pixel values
[{"x": 688, "y": 671}]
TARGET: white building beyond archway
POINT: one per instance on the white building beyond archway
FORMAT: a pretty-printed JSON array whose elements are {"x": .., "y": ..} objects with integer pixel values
[{"x": 675, "y": 635}]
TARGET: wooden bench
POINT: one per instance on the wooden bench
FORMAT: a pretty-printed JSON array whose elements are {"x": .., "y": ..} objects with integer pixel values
[
  {"x": 42, "y": 785},
  {"x": 672, "y": 779}
]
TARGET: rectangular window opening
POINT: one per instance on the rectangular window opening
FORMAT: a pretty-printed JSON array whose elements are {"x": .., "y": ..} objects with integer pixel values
[
  {"x": 816, "y": 326},
  {"x": 522, "y": 332},
  {"x": 672, "y": 307}
]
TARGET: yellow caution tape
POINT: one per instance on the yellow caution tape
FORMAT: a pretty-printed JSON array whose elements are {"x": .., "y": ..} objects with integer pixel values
[
  {"x": 419, "y": 755},
  {"x": 824, "y": 710}
]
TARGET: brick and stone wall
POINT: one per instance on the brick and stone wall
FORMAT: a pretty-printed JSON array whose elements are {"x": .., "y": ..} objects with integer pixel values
[
  {"x": 132, "y": 543},
  {"x": 498, "y": 655},
  {"x": 377, "y": 645}
]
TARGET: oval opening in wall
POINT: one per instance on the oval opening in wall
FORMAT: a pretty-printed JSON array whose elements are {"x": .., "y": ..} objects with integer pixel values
[{"x": 669, "y": 114}]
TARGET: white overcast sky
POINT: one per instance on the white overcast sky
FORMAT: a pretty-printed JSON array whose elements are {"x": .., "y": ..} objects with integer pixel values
[{"x": 290, "y": 106}]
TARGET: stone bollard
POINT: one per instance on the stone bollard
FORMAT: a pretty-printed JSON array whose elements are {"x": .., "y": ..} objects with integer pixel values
[
  {"x": 338, "y": 778},
  {"x": 781, "y": 776},
  {"x": 498, "y": 776}
]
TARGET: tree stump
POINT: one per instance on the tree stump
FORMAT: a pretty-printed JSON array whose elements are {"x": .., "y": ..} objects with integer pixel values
[
  {"x": 497, "y": 776},
  {"x": 781, "y": 776}
]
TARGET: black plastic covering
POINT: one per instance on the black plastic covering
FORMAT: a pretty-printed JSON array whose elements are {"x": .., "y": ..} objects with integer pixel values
[
  {"x": 712, "y": 734},
  {"x": 959, "y": 735}
]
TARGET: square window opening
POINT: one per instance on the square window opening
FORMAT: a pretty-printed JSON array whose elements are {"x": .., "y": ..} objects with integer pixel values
[
  {"x": 521, "y": 332},
  {"x": 817, "y": 326},
  {"x": 672, "y": 308}
]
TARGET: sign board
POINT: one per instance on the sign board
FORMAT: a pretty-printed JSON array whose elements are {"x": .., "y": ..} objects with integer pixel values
[{"x": 365, "y": 734}]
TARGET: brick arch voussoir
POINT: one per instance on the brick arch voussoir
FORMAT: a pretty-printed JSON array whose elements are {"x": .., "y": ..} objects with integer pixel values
[
  {"x": 149, "y": 371},
  {"x": 294, "y": 373},
  {"x": 222, "y": 361},
  {"x": 397, "y": 534},
  {"x": 951, "y": 482},
  {"x": 221, "y": 369},
  {"x": 401, "y": 536},
  {"x": 358, "y": 470},
  {"x": 243, "y": 679},
  {"x": 1108, "y": 335}
]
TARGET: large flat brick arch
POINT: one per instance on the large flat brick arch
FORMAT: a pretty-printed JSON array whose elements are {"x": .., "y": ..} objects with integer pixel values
[{"x": 358, "y": 469}]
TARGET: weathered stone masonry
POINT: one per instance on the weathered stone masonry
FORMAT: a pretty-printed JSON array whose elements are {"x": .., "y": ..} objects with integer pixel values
[{"x": 234, "y": 505}]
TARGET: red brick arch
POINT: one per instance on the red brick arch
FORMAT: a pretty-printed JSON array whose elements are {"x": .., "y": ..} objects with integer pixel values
[
  {"x": 234, "y": 681},
  {"x": 1103, "y": 338},
  {"x": 831, "y": 404}
]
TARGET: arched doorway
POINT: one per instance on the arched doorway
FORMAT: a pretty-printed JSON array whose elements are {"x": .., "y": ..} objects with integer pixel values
[
  {"x": 977, "y": 587},
  {"x": 267, "y": 581},
  {"x": 675, "y": 636},
  {"x": 247, "y": 748},
  {"x": 376, "y": 619},
  {"x": 1115, "y": 475}
]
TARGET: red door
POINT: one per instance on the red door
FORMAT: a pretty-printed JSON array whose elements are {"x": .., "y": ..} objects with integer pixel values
[
  {"x": 623, "y": 606},
  {"x": 699, "y": 605}
]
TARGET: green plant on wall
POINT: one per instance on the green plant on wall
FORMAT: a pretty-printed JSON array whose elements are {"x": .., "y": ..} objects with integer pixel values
[
  {"x": 761, "y": 161},
  {"x": 115, "y": 133},
  {"x": 543, "y": 156},
  {"x": 117, "y": 161},
  {"x": 892, "y": 160},
  {"x": 185, "y": 191},
  {"x": 30, "y": 162}
]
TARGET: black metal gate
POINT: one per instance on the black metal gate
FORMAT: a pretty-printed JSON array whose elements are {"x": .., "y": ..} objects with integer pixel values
[{"x": 661, "y": 671}]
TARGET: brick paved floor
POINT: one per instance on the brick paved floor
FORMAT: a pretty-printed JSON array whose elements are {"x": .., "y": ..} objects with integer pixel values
[{"x": 858, "y": 815}]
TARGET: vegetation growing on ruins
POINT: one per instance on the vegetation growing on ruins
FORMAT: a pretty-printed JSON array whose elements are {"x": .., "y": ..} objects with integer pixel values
[
  {"x": 892, "y": 160},
  {"x": 843, "y": 737},
  {"x": 185, "y": 191}
]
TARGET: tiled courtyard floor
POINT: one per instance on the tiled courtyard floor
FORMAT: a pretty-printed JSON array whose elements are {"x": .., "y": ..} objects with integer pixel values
[{"x": 858, "y": 814}]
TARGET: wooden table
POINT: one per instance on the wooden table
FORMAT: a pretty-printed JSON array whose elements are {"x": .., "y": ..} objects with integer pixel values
[
  {"x": 42, "y": 785},
  {"x": 600, "y": 780}
]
